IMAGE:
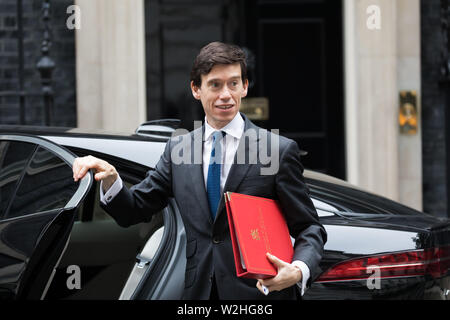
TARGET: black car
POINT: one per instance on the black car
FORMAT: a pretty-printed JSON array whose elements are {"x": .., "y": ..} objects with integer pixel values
[{"x": 56, "y": 242}]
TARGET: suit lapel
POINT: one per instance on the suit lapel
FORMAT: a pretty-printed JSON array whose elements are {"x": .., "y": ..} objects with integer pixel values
[
  {"x": 196, "y": 172},
  {"x": 237, "y": 171}
]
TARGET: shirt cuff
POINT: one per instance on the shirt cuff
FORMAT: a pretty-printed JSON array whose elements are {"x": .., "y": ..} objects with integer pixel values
[
  {"x": 107, "y": 197},
  {"x": 305, "y": 274}
]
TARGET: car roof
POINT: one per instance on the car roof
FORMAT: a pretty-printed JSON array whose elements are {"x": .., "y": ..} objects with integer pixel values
[
  {"x": 125, "y": 145},
  {"x": 74, "y": 132}
]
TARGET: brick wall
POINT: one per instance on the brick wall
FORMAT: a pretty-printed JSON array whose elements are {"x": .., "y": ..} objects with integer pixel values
[
  {"x": 62, "y": 52},
  {"x": 433, "y": 112}
]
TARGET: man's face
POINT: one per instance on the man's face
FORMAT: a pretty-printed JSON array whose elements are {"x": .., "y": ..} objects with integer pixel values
[{"x": 221, "y": 92}]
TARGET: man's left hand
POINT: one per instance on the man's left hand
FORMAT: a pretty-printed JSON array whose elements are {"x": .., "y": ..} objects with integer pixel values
[{"x": 287, "y": 276}]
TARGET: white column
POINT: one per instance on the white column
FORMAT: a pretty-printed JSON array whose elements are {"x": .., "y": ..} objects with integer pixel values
[
  {"x": 379, "y": 64},
  {"x": 110, "y": 53},
  {"x": 371, "y": 98},
  {"x": 88, "y": 67}
]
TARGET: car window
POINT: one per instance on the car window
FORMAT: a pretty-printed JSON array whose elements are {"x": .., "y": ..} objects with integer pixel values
[
  {"x": 47, "y": 184},
  {"x": 324, "y": 209},
  {"x": 14, "y": 157},
  {"x": 352, "y": 200},
  {"x": 342, "y": 203}
]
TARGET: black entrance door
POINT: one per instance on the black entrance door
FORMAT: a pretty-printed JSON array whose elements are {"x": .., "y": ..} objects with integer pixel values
[
  {"x": 297, "y": 49},
  {"x": 298, "y": 67}
]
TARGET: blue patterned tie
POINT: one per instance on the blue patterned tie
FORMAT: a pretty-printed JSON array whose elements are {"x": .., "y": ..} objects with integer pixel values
[{"x": 213, "y": 181}]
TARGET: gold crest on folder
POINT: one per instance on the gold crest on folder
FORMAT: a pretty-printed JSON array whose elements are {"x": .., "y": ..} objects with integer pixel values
[{"x": 255, "y": 234}]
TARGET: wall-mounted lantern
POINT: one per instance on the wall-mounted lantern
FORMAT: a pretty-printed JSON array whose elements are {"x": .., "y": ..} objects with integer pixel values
[
  {"x": 46, "y": 65},
  {"x": 408, "y": 117}
]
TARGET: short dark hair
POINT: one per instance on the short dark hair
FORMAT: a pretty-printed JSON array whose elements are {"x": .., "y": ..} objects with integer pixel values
[{"x": 217, "y": 53}]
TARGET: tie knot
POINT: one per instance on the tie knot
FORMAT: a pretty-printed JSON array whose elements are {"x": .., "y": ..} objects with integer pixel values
[{"x": 217, "y": 135}]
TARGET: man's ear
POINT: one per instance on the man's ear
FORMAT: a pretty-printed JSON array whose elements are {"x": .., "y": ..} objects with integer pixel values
[
  {"x": 195, "y": 91},
  {"x": 244, "y": 93}
]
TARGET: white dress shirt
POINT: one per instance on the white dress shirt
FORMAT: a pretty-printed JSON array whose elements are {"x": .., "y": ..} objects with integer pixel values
[{"x": 229, "y": 144}]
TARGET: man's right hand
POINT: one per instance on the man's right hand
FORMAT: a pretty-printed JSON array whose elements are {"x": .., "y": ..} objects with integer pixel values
[{"x": 103, "y": 170}]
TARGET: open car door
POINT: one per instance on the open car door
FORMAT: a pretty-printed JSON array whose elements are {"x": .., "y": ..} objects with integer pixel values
[{"x": 38, "y": 205}]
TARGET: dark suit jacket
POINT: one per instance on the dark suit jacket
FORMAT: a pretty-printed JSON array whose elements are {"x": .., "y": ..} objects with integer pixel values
[{"x": 209, "y": 251}]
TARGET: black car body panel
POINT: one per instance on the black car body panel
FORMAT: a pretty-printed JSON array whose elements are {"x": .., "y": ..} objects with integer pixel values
[{"x": 379, "y": 226}]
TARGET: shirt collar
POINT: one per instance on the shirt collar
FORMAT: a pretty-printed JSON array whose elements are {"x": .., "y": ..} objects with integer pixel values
[{"x": 234, "y": 128}]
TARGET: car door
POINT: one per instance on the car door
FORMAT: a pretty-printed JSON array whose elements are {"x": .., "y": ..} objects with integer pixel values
[{"x": 38, "y": 202}]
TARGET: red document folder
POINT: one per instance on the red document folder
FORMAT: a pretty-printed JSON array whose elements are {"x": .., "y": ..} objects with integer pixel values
[{"x": 257, "y": 226}]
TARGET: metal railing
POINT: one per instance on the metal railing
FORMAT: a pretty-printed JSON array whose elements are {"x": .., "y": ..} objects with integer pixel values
[{"x": 45, "y": 66}]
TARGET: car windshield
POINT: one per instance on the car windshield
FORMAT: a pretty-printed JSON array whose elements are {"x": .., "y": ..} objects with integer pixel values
[
  {"x": 342, "y": 198},
  {"x": 324, "y": 209}
]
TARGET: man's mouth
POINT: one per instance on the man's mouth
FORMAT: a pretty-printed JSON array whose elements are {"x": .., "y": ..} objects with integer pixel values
[{"x": 225, "y": 106}]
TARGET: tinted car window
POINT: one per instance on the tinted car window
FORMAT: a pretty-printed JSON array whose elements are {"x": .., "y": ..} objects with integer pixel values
[
  {"x": 14, "y": 157},
  {"x": 324, "y": 209},
  {"x": 48, "y": 184},
  {"x": 348, "y": 199}
]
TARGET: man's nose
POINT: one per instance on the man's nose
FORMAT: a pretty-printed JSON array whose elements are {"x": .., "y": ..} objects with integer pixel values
[{"x": 225, "y": 93}]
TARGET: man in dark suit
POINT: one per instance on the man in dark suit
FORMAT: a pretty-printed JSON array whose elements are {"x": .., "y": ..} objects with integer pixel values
[{"x": 228, "y": 153}]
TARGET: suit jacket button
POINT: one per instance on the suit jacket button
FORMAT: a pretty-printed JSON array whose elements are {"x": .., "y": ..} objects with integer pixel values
[{"x": 216, "y": 240}]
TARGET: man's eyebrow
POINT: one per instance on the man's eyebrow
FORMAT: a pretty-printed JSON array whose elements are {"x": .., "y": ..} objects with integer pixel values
[{"x": 217, "y": 79}]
